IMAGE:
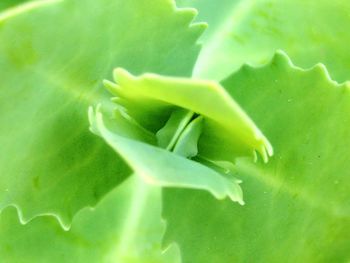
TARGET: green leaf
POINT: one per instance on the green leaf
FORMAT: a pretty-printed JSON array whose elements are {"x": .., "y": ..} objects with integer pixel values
[
  {"x": 227, "y": 130},
  {"x": 124, "y": 227},
  {"x": 187, "y": 144},
  {"x": 252, "y": 30},
  {"x": 212, "y": 12},
  {"x": 297, "y": 205},
  {"x": 10, "y": 9},
  {"x": 159, "y": 167},
  {"x": 222, "y": 132},
  {"x": 52, "y": 59},
  {"x": 4, "y": 4},
  {"x": 168, "y": 135}
]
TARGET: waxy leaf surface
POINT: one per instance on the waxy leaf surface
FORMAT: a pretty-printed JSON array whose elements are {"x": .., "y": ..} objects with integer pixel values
[
  {"x": 52, "y": 61},
  {"x": 297, "y": 205},
  {"x": 250, "y": 31},
  {"x": 124, "y": 227}
]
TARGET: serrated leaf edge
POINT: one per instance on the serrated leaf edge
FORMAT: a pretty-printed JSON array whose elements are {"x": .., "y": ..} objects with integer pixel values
[{"x": 196, "y": 28}]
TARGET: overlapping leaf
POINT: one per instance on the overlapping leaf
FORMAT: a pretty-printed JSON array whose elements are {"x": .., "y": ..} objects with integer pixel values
[
  {"x": 252, "y": 30},
  {"x": 222, "y": 132},
  {"x": 125, "y": 227},
  {"x": 297, "y": 206},
  {"x": 53, "y": 58},
  {"x": 214, "y": 13},
  {"x": 52, "y": 61}
]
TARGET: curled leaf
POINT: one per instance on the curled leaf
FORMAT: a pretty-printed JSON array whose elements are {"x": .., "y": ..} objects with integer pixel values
[{"x": 173, "y": 131}]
